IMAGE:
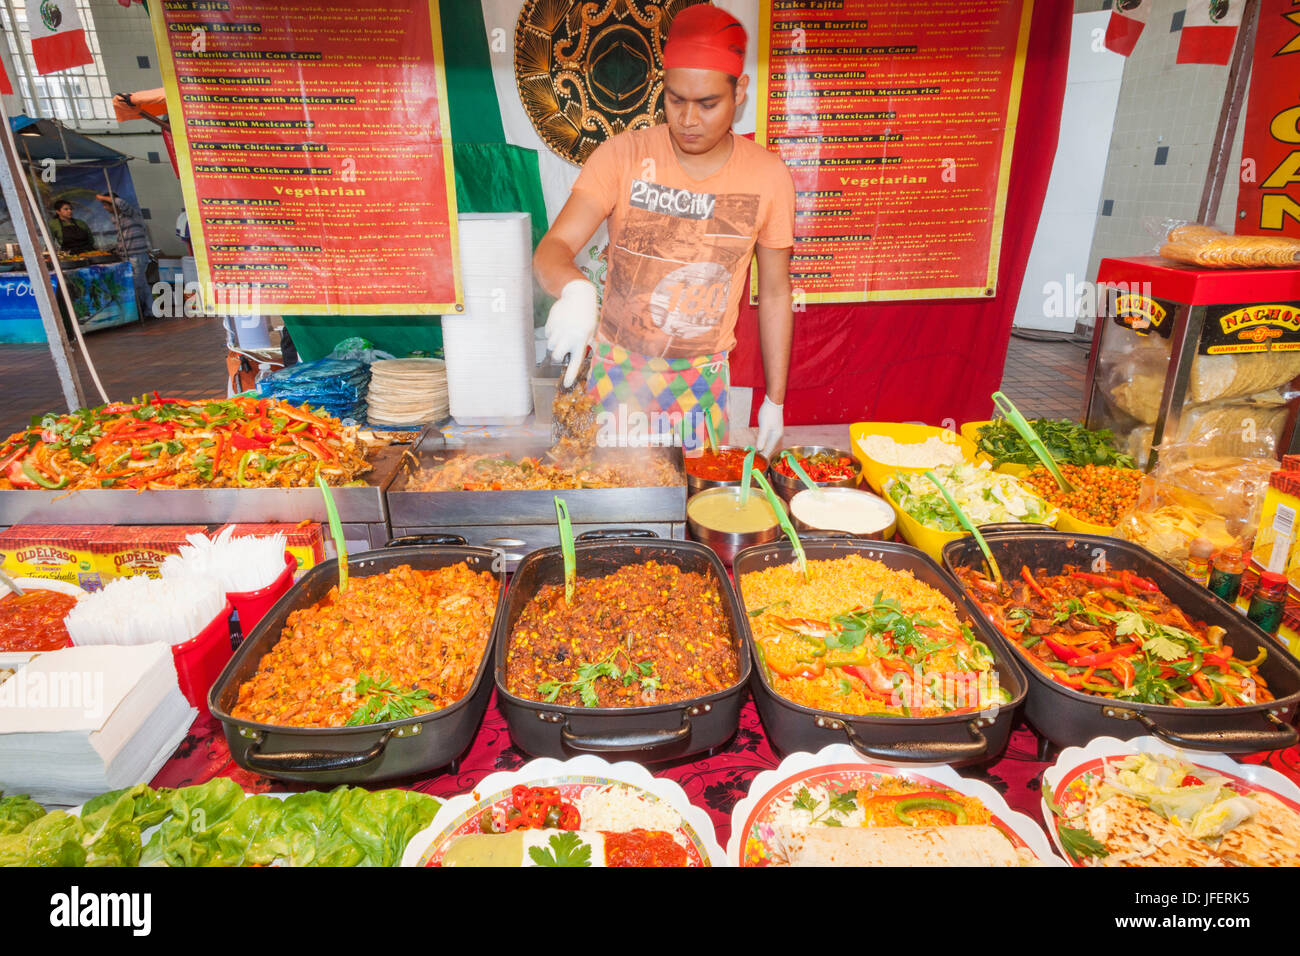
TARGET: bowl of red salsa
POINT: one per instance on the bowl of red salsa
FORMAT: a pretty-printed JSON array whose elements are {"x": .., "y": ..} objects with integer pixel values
[
  {"x": 707, "y": 469},
  {"x": 33, "y": 622},
  {"x": 828, "y": 467}
]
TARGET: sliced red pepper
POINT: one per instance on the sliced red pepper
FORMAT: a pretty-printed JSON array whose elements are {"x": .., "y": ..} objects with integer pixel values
[
  {"x": 861, "y": 674},
  {"x": 17, "y": 478},
  {"x": 1069, "y": 680},
  {"x": 1139, "y": 582},
  {"x": 1203, "y": 685},
  {"x": 1099, "y": 580},
  {"x": 1033, "y": 585},
  {"x": 245, "y": 443},
  {"x": 1063, "y": 651},
  {"x": 15, "y": 457},
  {"x": 1105, "y": 657}
]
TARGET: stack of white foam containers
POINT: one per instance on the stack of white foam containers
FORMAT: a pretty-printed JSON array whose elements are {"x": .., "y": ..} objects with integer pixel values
[{"x": 489, "y": 347}]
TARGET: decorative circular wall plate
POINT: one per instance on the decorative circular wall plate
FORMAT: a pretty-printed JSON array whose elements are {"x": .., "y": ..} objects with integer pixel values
[{"x": 588, "y": 70}]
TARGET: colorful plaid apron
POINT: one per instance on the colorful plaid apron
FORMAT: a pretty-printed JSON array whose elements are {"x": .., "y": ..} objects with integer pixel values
[{"x": 626, "y": 383}]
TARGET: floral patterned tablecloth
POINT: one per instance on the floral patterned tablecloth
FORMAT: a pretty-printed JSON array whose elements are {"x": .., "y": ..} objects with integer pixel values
[{"x": 714, "y": 782}]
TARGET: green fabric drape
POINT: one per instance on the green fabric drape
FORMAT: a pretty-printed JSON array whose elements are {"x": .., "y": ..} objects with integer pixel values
[
  {"x": 491, "y": 176},
  {"x": 475, "y": 113}
]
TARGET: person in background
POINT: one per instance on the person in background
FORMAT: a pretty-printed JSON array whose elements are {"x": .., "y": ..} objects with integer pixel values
[
  {"x": 133, "y": 245},
  {"x": 688, "y": 203},
  {"x": 72, "y": 235}
]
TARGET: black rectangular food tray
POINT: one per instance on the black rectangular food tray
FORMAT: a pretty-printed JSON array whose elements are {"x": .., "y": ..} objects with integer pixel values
[
  {"x": 957, "y": 739},
  {"x": 646, "y": 734},
  {"x": 327, "y": 756},
  {"x": 1068, "y": 717}
]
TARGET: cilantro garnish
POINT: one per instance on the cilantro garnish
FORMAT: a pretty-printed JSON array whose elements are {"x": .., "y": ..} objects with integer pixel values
[{"x": 566, "y": 849}]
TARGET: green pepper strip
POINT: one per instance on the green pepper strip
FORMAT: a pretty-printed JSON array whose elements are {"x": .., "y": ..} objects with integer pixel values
[
  {"x": 1259, "y": 658},
  {"x": 243, "y": 463},
  {"x": 903, "y": 808},
  {"x": 32, "y": 474}
]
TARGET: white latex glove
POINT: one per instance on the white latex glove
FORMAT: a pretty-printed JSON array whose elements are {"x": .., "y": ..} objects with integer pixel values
[
  {"x": 570, "y": 324},
  {"x": 771, "y": 426}
]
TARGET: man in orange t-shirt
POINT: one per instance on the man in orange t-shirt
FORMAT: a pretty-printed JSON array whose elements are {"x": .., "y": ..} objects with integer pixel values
[{"x": 688, "y": 204}]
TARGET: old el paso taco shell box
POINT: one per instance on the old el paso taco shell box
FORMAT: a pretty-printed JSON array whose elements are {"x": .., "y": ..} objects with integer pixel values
[
  {"x": 126, "y": 551},
  {"x": 58, "y": 552}
]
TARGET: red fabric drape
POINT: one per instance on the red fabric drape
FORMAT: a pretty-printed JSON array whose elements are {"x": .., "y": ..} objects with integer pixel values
[{"x": 935, "y": 359}]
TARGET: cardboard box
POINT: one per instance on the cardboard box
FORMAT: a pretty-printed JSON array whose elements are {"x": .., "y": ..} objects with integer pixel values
[
  {"x": 124, "y": 551},
  {"x": 306, "y": 542},
  {"x": 57, "y": 552}
]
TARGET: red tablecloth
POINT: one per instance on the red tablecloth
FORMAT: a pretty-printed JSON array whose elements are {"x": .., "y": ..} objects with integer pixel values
[{"x": 714, "y": 782}]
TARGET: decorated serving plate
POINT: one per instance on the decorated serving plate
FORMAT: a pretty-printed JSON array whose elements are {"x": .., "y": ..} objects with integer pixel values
[
  {"x": 833, "y": 808},
  {"x": 1181, "y": 808},
  {"x": 577, "y": 812}
]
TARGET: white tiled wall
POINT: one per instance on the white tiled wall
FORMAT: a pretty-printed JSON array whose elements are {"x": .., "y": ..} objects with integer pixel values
[{"x": 1161, "y": 104}]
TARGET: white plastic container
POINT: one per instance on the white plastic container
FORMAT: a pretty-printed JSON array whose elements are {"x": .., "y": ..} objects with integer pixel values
[{"x": 489, "y": 347}]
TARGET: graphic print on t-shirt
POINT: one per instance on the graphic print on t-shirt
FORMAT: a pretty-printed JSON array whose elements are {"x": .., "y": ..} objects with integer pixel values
[{"x": 670, "y": 272}]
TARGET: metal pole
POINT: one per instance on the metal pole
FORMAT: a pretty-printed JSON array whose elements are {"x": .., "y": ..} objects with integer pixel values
[
  {"x": 117, "y": 218},
  {"x": 22, "y": 215}
]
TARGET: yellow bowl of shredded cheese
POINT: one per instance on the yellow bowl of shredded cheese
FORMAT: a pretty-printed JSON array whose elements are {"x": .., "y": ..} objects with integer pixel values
[{"x": 888, "y": 448}]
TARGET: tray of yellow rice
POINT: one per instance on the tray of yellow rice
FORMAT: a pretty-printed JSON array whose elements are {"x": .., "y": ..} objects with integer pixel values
[{"x": 878, "y": 647}]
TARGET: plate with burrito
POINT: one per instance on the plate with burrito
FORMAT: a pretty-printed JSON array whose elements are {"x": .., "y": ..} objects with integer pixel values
[
  {"x": 832, "y": 808},
  {"x": 583, "y": 812},
  {"x": 1141, "y": 802}
]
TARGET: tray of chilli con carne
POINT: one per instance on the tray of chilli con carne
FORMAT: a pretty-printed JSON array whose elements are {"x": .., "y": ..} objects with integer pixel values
[
  {"x": 404, "y": 684},
  {"x": 1117, "y": 643},
  {"x": 878, "y": 648},
  {"x": 646, "y": 661}
]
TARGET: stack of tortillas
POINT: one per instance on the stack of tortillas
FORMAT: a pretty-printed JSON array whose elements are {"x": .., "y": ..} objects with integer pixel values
[
  {"x": 408, "y": 391},
  {"x": 1207, "y": 246}
]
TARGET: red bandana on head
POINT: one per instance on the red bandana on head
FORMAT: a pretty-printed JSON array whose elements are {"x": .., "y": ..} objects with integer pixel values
[{"x": 703, "y": 37}]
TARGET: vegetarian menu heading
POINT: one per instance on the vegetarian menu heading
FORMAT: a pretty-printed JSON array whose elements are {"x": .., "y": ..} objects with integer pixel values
[
  {"x": 315, "y": 153},
  {"x": 897, "y": 123}
]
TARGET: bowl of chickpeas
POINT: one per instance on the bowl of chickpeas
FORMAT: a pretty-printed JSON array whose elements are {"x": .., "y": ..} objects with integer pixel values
[{"x": 1101, "y": 496}]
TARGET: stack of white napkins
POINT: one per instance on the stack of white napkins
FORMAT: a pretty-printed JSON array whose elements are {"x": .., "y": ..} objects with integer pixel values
[{"x": 81, "y": 721}]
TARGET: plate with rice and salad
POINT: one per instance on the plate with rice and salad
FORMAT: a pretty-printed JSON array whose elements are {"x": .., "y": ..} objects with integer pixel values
[
  {"x": 832, "y": 808},
  {"x": 582, "y": 812}
]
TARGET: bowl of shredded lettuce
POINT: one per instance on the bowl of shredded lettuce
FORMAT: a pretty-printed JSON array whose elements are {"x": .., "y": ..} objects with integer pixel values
[{"x": 987, "y": 497}]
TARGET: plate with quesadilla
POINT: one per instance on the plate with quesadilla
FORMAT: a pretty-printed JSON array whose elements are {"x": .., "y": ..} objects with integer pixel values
[
  {"x": 832, "y": 808},
  {"x": 1143, "y": 803}
]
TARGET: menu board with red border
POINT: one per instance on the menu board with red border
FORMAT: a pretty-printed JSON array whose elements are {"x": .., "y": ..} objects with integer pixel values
[
  {"x": 315, "y": 153},
  {"x": 897, "y": 122}
]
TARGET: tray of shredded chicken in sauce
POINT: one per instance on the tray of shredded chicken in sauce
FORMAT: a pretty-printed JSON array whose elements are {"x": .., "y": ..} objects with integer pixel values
[
  {"x": 386, "y": 679},
  {"x": 876, "y": 647},
  {"x": 646, "y": 659}
]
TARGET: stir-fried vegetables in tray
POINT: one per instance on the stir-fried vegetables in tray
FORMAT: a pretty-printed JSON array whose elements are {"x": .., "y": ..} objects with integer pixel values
[
  {"x": 1117, "y": 635},
  {"x": 157, "y": 442}
]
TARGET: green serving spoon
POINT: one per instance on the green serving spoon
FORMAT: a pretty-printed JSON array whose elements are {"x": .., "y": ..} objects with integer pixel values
[
  {"x": 968, "y": 525},
  {"x": 336, "y": 531},
  {"x": 783, "y": 520},
  {"x": 750, "y": 452},
  {"x": 793, "y": 461},
  {"x": 566, "y": 548},
  {"x": 713, "y": 435},
  {"x": 1030, "y": 436}
]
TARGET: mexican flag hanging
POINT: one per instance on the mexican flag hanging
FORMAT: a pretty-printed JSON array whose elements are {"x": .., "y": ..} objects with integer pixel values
[
  {"x": 1209, "y": 31},
  {"x": 1127, "y": 21},
  {"x": 58, "y": 40}
]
